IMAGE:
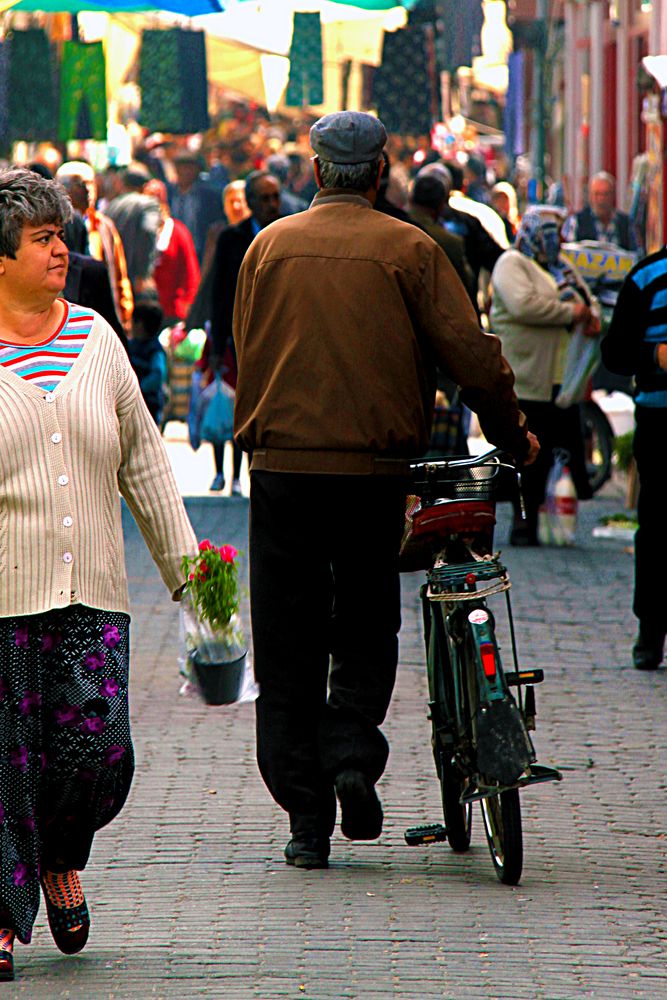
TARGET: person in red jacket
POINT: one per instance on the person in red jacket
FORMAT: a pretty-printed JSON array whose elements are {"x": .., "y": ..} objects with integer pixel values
[{"x": 176, "y": 273}]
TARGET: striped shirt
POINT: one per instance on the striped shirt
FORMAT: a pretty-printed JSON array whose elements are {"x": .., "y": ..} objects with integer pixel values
[{"x": 45, "y": 364}]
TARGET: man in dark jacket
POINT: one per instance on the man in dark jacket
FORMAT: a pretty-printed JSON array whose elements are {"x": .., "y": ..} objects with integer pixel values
[
  {"x": 341, "y": 315},
  {"x": 600, "y": 220},
  {"x": 636, "y": 344}
]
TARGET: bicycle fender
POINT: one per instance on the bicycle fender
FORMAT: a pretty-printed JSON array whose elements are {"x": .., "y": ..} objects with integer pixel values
[{"x": 504, "y": 750}]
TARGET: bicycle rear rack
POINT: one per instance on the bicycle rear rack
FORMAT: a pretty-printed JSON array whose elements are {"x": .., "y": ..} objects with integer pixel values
[{"x": 446, "y": 583}]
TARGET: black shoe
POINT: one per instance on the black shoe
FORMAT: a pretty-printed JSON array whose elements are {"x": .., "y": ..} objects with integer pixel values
[
  {"x": 308, "y": 852},
  {"x": 523, "y": 536},
  {"x": 647, "y": 651},
  {"x": 362, "y": 813}
]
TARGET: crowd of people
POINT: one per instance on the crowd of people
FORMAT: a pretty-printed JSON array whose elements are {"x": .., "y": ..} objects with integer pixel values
[{"x": 341, "y": 304}]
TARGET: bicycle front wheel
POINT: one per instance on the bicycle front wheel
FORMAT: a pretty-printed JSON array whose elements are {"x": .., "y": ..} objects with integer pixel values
[
  {"x": 598, "y": 444},
  {"x": 502, "y": 825}
]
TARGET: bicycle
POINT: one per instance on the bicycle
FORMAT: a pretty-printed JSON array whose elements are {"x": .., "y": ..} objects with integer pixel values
[{"x": 480, "y": 732}]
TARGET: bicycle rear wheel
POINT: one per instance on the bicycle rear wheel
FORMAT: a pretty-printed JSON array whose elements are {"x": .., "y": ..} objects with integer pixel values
[
  {"x": 458, "y": 818},
  {"x": 598, "y": 444},
  {"x": 502, "y": 825}
]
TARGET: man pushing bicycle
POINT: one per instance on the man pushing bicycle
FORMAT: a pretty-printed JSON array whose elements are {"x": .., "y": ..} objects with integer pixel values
[{"x": 342, "y": 315}]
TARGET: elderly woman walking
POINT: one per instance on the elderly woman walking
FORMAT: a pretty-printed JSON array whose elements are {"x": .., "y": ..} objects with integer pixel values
[
  {"x": 538, "y": 298},
  {"x": 75, "y": 434}
]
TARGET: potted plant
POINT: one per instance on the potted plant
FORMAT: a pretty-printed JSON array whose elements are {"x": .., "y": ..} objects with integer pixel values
[{"x": 214, "y": 642}]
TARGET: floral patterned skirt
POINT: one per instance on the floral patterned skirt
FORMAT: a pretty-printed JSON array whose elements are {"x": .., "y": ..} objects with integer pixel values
[{"x": 66, "y": 756}]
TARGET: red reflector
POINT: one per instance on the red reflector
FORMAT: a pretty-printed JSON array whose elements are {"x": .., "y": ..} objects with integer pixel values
[
  {"x": 470, "y": 579},
  {"x": 488, "y": 658}
]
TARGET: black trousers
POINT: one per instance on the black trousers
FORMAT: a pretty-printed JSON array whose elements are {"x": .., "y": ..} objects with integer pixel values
[
  {"x": 325, "y": 601},
  {"x": 555, "y": 428},
  {"x": 650, "y": 603}
]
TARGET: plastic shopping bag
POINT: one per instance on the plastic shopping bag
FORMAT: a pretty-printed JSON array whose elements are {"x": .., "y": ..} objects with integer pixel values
[
  {"x": 583, "y": 357},
  {"x": 214, "y": 666},
  {"x": 218, "y": 417},
  {"x": 557, "y": 520}
]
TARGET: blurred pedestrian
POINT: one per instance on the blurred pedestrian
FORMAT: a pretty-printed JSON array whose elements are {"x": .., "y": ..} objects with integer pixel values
[
  {"x": 176, "y": 272},
  {"x": 76, "y": 435},
  {"x": 341, "y": 315},
  {"x": 279, "y": 166},
  {"x": 600, "y": 220},
  {"x": 636, "y": 344},
  {"x": 538, "y": 298},
  {"x": 137, "y": 218},
  {"x": 474, "y": 180},
  {"x": 262, "y": 192},
  {"x": 104, "y": 242},
  {"x": 148, "y": 357},
  {"x": 193, "y": 202},
  {"x": 428, "y": 199},
  {"x": 504, "y": 202}
]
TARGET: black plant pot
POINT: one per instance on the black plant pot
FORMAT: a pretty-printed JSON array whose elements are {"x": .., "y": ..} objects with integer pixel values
[{"x": 220, "y": 683}]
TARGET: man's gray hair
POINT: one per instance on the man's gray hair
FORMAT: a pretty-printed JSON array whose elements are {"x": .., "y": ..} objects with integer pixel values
[
  {"x": 354, "y": 176},
  {"x": 603, "y": 175},
  {"x": 26, "y": 198}
]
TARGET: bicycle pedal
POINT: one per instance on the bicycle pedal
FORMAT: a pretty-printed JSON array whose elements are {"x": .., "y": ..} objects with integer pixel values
[
  {"x": 432, "y": 834},
  {"x": 516, "y": 677}
]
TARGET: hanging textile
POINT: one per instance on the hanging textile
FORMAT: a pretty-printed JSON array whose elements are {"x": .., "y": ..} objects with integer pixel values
[
  {"x": 83, "y": 95},
  {"x": 4, "y": 94},
  {"x": 173, "y": 82},
  {"x": 514, "y": 124},
  {"x": 401, "y": 84},
  {"x": 32, "y": 95},
  {"x": 461, "y": 37},
  {"x": 305, "y": 85}
]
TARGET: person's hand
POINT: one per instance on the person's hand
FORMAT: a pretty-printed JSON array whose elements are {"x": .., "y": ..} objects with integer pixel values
[
  {"x": 661, "y": 356},
  {"x": 533, "y": 448},
  {"x": 594, "y": 326},
  {"x": 581, "y": 313}
]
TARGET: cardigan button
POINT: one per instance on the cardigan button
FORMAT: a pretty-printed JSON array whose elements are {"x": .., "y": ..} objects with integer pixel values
[
  {"x": 50, "y": 396},
  {"x": 67, "y": 557},
  {"x": 63, "y": 480},
  {"x": 67, "y": 521},
  {"x": 56, "y": 438}
]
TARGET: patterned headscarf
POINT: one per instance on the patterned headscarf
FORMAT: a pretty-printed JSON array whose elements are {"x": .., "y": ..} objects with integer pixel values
[{"x": 538, "y": 237}]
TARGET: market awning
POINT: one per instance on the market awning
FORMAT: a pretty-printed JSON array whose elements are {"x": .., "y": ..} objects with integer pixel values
[{"x": 188, "y": 7}]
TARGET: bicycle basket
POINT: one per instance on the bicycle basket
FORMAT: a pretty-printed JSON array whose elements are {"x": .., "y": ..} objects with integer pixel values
[{"x": 488, "y": 479}]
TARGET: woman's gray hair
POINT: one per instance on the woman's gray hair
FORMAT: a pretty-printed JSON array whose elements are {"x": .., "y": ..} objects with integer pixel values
[
  {"x": 28, "y": 198},
  {"x": 354, "y": 176}
]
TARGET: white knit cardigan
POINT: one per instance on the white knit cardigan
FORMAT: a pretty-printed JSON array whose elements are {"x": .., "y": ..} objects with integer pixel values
[{"x": 64, "y": 458}]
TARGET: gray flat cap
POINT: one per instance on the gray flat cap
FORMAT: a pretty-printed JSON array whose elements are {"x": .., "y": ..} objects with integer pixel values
[{"x": 348, "y": 137}]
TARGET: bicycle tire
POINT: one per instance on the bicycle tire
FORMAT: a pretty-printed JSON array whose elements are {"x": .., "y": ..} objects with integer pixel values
[
  {"x": 458, "y": 818},
  {"x": 598, "y": 444},
  {"x": 502, "y": 825}
]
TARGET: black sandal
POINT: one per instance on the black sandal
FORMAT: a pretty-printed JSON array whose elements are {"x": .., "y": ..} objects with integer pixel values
[
  {"x": 63, "y": 920},
  {"x": 6, "y": 966}
]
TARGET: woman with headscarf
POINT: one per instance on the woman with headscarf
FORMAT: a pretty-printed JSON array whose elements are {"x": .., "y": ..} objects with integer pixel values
[
  {"x": 538, "y": 299},
  {"x": 76, "y": 435}
]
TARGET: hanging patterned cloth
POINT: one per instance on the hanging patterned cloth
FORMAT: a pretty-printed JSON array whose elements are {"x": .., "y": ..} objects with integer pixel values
[
  {"x": 4, "y": 94},
  {"x": 83, "y": 96},
  {"x": 172, "y": 78},
  {"x": 463, "y": 21},
  {"x": 401, "y": 84},
  {"x": 32, "y": 95},
  {"x": 305, "y": 85}
]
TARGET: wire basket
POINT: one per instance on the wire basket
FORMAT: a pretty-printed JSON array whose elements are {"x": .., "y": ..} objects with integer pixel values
[{"x": 488, "y": 479}]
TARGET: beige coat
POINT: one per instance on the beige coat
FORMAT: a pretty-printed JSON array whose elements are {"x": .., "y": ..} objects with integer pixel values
[
  {"x": 65, "y": 457},
  {"x": 341, "y": 315},
  {"x": 531, "y": 321}
]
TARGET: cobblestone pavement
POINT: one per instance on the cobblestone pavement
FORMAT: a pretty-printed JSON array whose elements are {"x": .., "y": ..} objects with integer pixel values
[{"x": 190, "y": 895}]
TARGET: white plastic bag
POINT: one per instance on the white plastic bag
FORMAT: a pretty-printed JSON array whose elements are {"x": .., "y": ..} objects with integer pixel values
[
  {"x": 582, "y": 358},
  {"x": 557, "y": 520},
  {"x": 198, "y": 637}
]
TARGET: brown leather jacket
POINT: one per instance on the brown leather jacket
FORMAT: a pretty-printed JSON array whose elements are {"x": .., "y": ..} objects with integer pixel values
[{"x": 341, "y": 316}]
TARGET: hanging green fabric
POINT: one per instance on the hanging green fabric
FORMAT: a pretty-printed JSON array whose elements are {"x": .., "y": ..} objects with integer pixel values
[
  {"x": 173, "y": 81},
  {"x": 305, "y": 85},
  {"x": 32, "y": 92},
  {"x": 83, "y": 94}
]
